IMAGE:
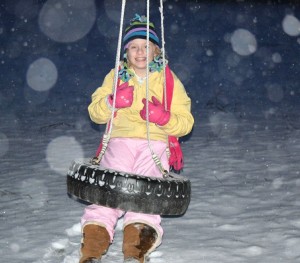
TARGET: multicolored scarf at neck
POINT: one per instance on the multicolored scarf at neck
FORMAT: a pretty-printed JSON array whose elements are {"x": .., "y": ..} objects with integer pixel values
[{"x": 125, "y": 73}]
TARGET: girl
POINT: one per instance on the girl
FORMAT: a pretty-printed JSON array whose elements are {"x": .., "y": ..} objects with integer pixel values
[{"x": 128, "y": 149}]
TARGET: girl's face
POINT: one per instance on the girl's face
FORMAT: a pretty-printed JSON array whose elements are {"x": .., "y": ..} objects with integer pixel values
[{"x": 136, "y": 54}]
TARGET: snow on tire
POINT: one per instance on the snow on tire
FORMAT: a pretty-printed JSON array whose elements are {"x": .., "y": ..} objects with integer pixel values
[{"x": 129, "y": 192}]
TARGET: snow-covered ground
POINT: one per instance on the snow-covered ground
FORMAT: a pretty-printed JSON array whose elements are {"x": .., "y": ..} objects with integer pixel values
[
  {"x": 245, "y": 192},
  {"x": 239, "y": 63}
]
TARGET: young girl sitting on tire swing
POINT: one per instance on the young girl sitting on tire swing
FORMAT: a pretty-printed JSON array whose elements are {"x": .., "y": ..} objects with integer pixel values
[{"x": 128, "y": 148}]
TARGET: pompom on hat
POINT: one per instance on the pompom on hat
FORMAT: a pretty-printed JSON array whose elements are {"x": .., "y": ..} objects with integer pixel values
[{"x": 138, "y": 29}]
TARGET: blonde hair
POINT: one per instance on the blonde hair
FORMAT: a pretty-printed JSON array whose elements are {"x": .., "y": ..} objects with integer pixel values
[{"x": 157, "y": 51}]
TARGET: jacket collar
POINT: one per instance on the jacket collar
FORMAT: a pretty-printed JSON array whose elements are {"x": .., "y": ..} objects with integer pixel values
[{"x": 125, "y": 73}]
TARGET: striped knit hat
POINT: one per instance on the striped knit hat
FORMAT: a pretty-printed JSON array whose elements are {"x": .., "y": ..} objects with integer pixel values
[{"x": 138, "y": 29}]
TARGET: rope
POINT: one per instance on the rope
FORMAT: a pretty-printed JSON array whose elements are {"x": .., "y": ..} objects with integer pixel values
[
  {"x": 147, "y": 80},
  {"x": 161, "y": 9},
  {"x": 117, "y": 63},
  {"x": 108, "y": 130},
  {"x": 154, "y": 156}
]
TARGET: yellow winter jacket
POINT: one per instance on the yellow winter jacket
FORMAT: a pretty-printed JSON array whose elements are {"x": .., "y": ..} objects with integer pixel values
[{"x": 128, "y": 122}]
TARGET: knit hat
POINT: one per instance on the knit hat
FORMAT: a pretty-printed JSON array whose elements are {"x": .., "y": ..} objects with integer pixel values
[{"x": 138, "y": 29}]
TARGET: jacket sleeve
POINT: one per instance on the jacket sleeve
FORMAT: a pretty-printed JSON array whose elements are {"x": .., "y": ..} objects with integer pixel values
[
  {"x": 181, "y": 121},
  {"x": 98, "y": 110}
]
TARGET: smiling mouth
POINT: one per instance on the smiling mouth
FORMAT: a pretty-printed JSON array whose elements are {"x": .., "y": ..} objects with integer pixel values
[{"x": 140, "y": 59}]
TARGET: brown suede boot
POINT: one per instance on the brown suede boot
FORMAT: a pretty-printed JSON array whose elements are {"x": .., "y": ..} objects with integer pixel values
[
  {"x": 94, "y": 244},
  {"x": 138, "y": 241}
]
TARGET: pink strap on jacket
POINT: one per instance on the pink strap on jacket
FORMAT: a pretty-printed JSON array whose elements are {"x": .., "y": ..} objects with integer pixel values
[{"x": 176, "y": 155}]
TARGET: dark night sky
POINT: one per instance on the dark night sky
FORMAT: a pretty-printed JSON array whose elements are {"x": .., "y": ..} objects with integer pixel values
[{"x": 198, "y": 43}]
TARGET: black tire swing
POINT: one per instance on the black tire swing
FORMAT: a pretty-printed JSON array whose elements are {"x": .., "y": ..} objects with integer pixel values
[
  {"x": 86, "y": 180},
  {"x": 129, "y": 192}
]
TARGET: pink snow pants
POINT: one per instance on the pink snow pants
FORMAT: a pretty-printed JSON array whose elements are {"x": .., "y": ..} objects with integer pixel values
[{"x": 132, "y": 156}]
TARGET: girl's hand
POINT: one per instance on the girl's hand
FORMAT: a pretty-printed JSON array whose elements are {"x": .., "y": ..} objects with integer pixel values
[
  {"x": 124, "y": 96},
  {"x": 156, "y": 111}
]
